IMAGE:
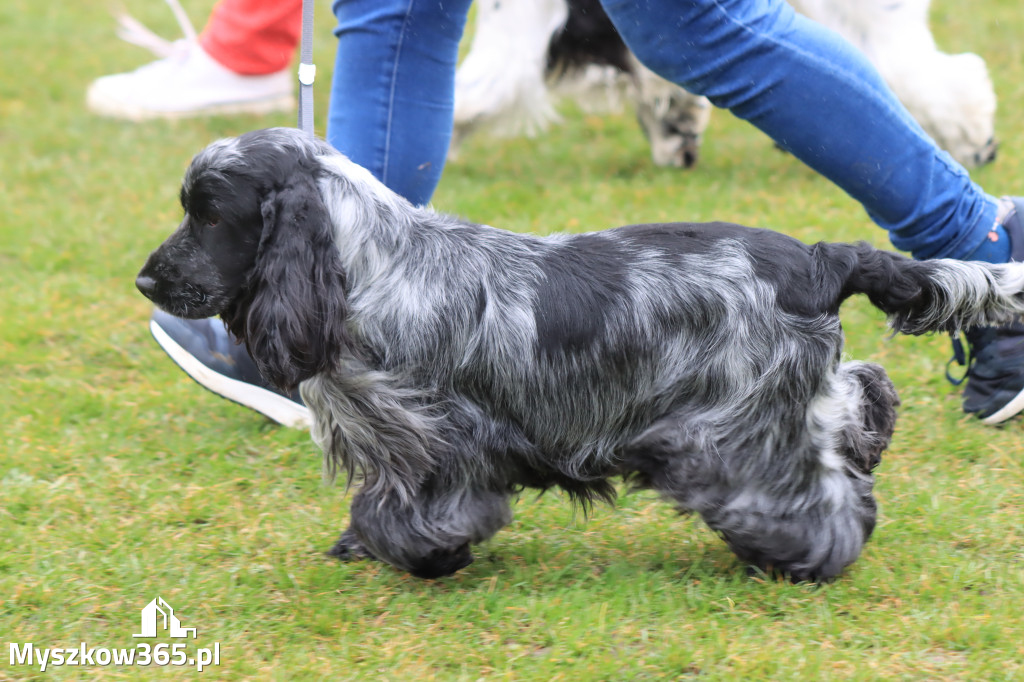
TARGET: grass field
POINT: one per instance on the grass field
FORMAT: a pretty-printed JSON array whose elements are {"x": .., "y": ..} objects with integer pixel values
[{"x": 121, "y": 481}]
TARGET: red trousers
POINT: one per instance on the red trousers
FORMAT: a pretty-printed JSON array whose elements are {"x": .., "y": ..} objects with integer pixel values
[{"x": 253, "y": 37}]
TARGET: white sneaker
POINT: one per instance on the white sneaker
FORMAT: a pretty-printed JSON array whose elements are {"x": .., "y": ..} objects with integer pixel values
[
  {"x": 185, "y": 82},
  {"x": 188, "y": 83}
]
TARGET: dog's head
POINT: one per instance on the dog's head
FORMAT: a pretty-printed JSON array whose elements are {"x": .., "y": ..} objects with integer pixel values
[{"x": 256, "y": 247}]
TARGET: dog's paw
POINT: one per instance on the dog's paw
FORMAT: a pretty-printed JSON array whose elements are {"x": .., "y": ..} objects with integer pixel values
[
  {"x": 349, "y": 548},
  {"x": 442, "y": 562}
]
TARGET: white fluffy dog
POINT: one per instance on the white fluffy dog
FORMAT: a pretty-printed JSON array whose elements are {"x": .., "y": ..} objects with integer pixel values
[{"x": 523, "y": 49}]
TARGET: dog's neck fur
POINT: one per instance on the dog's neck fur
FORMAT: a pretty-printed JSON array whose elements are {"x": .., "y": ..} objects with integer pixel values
[{"x": 368, "y": 239}]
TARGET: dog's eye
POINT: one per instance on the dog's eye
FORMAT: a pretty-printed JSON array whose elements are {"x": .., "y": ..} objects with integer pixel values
[{"x": 213, "y": 221}]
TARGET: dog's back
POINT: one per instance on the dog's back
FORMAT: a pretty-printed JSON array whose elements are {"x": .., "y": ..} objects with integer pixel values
[
  {"x": 549, "y": 334},
  {"x": 919, "y": 296}
]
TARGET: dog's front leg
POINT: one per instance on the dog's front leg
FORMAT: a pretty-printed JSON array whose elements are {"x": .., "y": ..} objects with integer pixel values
[
  {"x": 349, "y": 547},
  {"x": 429, "y": 535}
]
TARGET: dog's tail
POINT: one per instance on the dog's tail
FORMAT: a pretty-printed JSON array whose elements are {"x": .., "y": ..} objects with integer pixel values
[{"x": 929, "y": 295}]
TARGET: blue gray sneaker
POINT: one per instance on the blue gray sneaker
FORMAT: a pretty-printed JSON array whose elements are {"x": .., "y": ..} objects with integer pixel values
[
  {"x": 207, "y": 352},
  {"x": 995, "y": 359}
]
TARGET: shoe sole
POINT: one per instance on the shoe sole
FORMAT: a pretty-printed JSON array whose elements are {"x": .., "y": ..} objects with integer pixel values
[
  {"x": 1008, "y": 410},
  {"x": 272, "y": 405},
  {"x": 114, "y": 109}
]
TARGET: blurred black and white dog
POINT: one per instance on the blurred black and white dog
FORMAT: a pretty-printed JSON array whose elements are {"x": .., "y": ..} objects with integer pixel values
[
  {"x": 449, "y": 365},
  {"x": 525, "y": 51}
]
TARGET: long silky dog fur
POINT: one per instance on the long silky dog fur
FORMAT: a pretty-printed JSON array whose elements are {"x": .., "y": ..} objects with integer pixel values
[{"x": 449, "y": 365}]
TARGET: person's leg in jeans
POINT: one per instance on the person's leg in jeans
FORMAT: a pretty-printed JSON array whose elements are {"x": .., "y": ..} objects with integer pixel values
[
  {"x": 393, "y": 92},
  {"x": 240, "y": 63},
  {"x": 820, "y": 99}
]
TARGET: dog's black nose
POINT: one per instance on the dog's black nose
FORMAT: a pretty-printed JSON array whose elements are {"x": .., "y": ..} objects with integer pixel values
[{"x": 147, "y": 285}]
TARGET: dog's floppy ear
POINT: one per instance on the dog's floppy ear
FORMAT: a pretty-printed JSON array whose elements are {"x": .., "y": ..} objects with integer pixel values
[{"x": 292, "y": 316}]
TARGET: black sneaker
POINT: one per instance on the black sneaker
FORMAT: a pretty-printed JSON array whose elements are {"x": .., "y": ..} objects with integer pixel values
[
  {"x": 995, "y": 359},
  {"x": 995, "y": 372},
  {"x": 208, "y": 353}
]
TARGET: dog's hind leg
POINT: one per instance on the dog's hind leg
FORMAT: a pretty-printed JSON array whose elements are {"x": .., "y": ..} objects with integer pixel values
[
  {"x": 428, "y": 536},
  {"x": 809, "y": 520},
  {"x": 863, "y": 441},
  {"x": 790, "y": 492}
]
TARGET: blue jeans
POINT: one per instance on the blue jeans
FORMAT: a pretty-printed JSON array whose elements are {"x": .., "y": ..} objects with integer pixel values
[
  {"x": 808, "y": 89},
  {"x": 393, "y": 92}
]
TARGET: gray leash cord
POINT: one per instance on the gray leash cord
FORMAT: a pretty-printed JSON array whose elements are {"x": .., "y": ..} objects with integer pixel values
[{"x": 307, "y": 70}]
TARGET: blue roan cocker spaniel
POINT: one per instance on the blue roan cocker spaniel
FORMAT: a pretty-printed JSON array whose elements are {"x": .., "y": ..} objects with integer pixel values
[{"x": 449, "y": 365}]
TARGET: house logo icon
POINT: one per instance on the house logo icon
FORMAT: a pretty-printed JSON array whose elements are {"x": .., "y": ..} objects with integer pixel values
[{"x": 159, "y": 612}]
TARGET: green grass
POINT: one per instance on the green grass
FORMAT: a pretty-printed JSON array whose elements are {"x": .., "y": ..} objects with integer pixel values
[{"x": 120, "y": 480}]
